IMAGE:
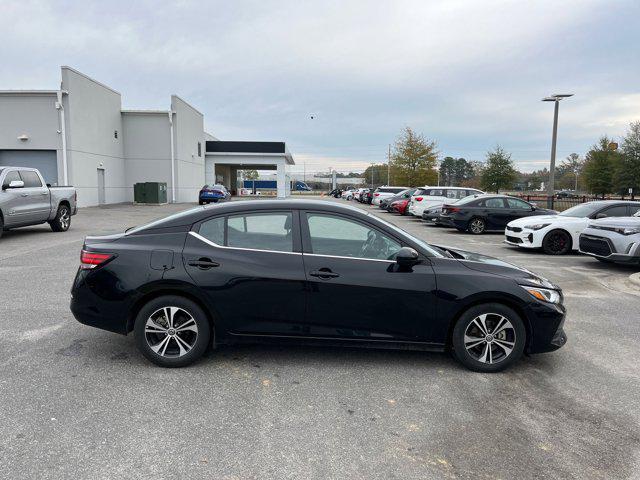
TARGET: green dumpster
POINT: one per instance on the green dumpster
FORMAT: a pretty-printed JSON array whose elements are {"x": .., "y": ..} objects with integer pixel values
[{"x": 150, "y": 192}]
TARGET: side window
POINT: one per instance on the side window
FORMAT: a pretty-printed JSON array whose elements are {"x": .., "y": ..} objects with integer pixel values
[
  {"x": 213, "y": 230},
  {"x": 262, "y": 231},
  {"x": 30, "y": 179},
  {"x": 436, "y": 193},
  {"x": 618, "y": 211},
  {"x": 494, "y": 203},
  {"x": 515, "y": 203},
  {"x": 10, "y": 177},
  {"x": 338, "y": 236},
  {"x": 452, "y": 194}
]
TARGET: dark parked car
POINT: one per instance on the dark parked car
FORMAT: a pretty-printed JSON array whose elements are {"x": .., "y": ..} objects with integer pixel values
[
  {"x": 385, "y": 203},
  {"x": 335, "y": 193},
  {"x": 482, "y": 213},
  {"x": 368, "y": 198},
  {"x": 213, "y": 193},
  {"x": 182, "y": 284}
]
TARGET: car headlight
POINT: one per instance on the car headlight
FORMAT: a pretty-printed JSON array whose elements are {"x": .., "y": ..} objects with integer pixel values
[
  {"x": 628, "y": 230},
  {"x": 543, "y": 294},
  {"x": 537, "y": 226}
]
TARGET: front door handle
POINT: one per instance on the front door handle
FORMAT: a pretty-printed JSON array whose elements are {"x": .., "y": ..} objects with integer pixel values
[
  {"x": 203, "y": 263},
  {"x": 324, "y": 274}
]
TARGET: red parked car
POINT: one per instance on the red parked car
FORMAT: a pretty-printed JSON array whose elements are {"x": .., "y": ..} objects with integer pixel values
[{"x": 400, "y": 206}]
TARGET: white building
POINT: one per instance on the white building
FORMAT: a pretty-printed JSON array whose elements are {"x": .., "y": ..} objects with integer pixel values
[{"x": 80, "y": 135}]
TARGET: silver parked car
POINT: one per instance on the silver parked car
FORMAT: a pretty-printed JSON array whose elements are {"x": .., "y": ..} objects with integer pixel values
[{"x": 613, "y": 239}]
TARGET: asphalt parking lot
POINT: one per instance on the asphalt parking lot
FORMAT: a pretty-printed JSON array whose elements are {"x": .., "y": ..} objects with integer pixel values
[{"x": 78, "y": 402}]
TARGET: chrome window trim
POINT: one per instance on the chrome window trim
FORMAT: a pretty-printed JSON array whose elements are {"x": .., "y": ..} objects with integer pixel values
[
  {"x": 348, "y": 258},
  {"x": 213, "y": 244}
]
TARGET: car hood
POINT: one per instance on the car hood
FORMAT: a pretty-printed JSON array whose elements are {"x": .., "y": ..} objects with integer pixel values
[
  {"x": 495, "y": 266},
  {"x": 616, "y": 222},
  {"x": 521, "y": 222}
]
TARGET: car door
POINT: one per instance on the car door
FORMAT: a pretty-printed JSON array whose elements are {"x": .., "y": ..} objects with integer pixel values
[
  {"x": 250, "y": 267},
  {"x": 496, "y": 213},
  {"x": 356, "y": 289},
  {"x": 35, "y": 206},
  {"x": 517, "y": 209},
  {"x": 11, "y": 199}
]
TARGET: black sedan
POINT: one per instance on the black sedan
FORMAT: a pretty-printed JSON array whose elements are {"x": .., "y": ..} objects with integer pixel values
[
  {"x": 482, "y": 213},
  {"x": 280, "y": 270}
]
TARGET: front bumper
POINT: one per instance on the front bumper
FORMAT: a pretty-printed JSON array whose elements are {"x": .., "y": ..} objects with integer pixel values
[
  {"x": 525, "y": 237},
  {"x": 546, "y": 322},
  {"x": 604, "y": 245}
]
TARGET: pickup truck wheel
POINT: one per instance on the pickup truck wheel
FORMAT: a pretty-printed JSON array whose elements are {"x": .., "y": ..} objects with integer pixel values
[{"x": 62, "y": 221}]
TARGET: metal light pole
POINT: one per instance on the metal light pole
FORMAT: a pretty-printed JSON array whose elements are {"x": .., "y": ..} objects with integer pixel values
[
  {"x": 552, "y": 167},
  {"x": 389, "y": 165}
]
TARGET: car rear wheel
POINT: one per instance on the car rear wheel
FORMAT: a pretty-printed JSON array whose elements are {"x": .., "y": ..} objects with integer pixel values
[
  {"x": 477, "y": 226},
  {"x": 488, "y": 337},
  {"x": 172, "y": 331},
  {"x": 62, "y": 220},
  {"x": 556, "y": 242}
]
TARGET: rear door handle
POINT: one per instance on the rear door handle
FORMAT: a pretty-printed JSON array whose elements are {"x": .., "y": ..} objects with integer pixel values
[
  {"x": 324, "y": 274},
  {"x": 203, "y": 263}
]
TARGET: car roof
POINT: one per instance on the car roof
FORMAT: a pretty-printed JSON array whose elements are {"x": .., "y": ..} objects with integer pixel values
[{"x": 197, "y": 214}]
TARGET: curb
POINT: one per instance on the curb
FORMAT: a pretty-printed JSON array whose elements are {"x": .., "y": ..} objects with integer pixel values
[{"x": 635, "y": 279}]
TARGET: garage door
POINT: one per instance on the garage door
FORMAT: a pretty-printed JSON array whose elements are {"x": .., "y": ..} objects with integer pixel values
[{"x": 43, "y": 160}]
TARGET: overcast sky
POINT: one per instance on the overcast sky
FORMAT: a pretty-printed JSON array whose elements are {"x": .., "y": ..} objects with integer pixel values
[{"x": 469, "y": 74}]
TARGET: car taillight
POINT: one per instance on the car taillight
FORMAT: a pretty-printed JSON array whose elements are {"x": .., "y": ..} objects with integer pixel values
[
  {"x": 450, "y": 209},
  {"x": 418, "y": 199},
  {"x": 89, "y": 260},
  {"x": 376, "y": 194}
]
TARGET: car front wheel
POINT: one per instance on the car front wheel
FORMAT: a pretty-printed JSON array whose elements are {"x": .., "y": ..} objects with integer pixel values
[
  {"x": 172, "y": 331},
  {"x": 488, "y": 337},
  {"x": 556, "y": 242}
]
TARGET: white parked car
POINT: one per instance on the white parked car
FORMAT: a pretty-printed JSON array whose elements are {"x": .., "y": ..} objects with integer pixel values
[
  {"x": 614, "y": 240},
  {"x": 425, "y": 198},
  {"x": 358, "y": 193},
  {"x": 348, "y": 194},
  {"x": 559, "y": 234},
  {"x": 383, "y": 192}
]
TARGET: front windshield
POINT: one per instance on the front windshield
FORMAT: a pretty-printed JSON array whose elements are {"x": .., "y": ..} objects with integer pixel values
[
  {"x": 158, "y": 221},
  {"x": 583, "y": 210},
  {"x": 428, "y": 248}
]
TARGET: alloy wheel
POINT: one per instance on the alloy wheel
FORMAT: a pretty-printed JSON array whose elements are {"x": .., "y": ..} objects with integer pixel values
[
  {"x": 476, "y": 225},
  {"x": 171, "y": 332},
  {"x": 490, "y": 338},
  {"x": 64, "y": 218},
  {"x": 557, "y": 242}
]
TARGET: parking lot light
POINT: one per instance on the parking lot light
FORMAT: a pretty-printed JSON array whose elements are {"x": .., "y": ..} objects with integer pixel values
[{"x": 552, "y": 167}]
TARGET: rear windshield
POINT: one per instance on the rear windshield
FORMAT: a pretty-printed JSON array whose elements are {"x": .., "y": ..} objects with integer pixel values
[
  {"x": 583, "y": 210},
  {"x": 162, "y": 220}
]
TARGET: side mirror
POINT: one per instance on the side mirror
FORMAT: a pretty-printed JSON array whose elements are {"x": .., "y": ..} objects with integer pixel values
[
  {"x": 407, "y": 257},
  {"x": 14, "y": 184},
  {"x": 601, "y": 215}
]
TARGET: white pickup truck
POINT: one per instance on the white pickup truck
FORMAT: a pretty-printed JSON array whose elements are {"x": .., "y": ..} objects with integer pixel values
[{"x": 25, "y": 199}]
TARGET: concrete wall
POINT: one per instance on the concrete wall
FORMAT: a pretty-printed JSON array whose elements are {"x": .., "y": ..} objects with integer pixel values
[
  {"x": 188, "y": 130},
  {"x": 32, "y": 114},
  {"x": 93, "y": 114},
  {"x": 147, "y": 148}
]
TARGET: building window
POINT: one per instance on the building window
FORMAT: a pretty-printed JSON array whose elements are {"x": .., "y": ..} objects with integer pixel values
[{"x": 199, "y": 149}]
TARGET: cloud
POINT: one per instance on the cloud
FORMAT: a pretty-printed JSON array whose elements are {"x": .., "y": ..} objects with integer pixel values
[{"x": 468, "y": 74}]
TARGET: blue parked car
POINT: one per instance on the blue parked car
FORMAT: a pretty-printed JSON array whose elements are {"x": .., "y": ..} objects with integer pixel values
[{"x": 213, "y": 193}]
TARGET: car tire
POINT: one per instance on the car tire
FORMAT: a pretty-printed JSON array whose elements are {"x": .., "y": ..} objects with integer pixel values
[
  {"x": 62, "y": 220},
  {"x": 477, "y": 226},
  {"x": 200, "y": 202},
  {"x": 556, "y": 242},
  {"x": 172, "y": 344},
  {"x": 488, "y": 353}
]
